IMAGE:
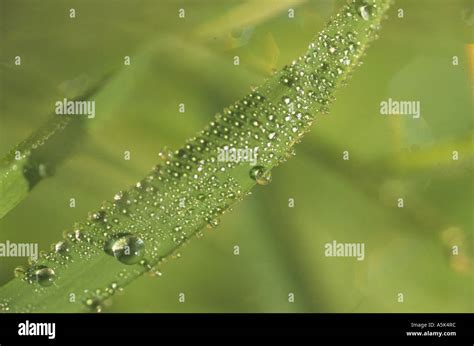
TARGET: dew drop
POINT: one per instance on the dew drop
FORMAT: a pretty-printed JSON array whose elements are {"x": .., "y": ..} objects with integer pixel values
[
  {"x": 97, "y": 216},
  {"x": 286, "y": 81},
  {"x": 364, "y": 11},
  {"x": 118, "y": 196},
  {"x": 4, "y": 306},
  {"x": 346, "y": 61},
  {"x": 94, "y": 304},
  {"x": 213, "y": 223},
  {"x": 19, "y": 272},
  {"x": 45, "y": 276},
  {"x": 261, "y": 175},
  {"x": 61, "y": 247},
  {"x": 128, "y": 249}
]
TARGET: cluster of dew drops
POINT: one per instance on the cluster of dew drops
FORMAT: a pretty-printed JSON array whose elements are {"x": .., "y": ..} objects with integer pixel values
[{"x": 190, "y": 187}]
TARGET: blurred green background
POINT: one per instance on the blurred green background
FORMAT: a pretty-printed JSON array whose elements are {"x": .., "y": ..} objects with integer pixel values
[{"x": 190, "y": 61}]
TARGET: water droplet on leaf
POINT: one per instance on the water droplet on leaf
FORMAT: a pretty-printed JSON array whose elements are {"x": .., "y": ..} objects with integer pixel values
[
  {"x": 19, "y": 272},
  {"x": 364, "y": 10},
  {"x": 128, "y": 249},
  {"x": 45, "y": 276},
  {"x": 261, "y": 175},
  {"x": 213, "y": 223}
]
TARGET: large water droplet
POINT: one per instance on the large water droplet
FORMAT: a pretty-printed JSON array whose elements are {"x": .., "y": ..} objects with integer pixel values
[
  {"x": 128, "y": 249},
  {"x": 261, "y": 175},
  {"x": 364, "y": 10},
  {"x": 45, "y": 276}
]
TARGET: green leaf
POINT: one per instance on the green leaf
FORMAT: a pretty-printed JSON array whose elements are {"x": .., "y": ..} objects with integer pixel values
[
  {"x": 38, "y": 157},
  {"x": 191, "y": 187}
]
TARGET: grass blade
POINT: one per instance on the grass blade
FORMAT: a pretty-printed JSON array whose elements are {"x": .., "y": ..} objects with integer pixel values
[{"x": 37, "y": 157}]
